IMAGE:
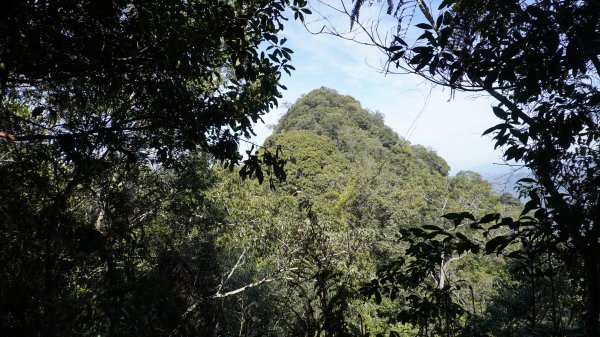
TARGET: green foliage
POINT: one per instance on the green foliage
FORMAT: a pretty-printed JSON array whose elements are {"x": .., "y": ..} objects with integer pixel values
[
  {"x": 344, "y": 207},
  {"x": 537, "y": 59},
  {"x": 99, "y": 258},
  {"x": 314, "y": 162},
  {"x": 146, "y": 79},
  {"x": 399, "y": 193},
  {"x": 114, "y": 220},
  {"x": 431, "y": 158},
  {"x": 340, "y": 118},
  {"x": 104, "y": 109}
]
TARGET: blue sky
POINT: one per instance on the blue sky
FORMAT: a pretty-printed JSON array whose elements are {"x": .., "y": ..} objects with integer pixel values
[{"x": 412, "y": 107}]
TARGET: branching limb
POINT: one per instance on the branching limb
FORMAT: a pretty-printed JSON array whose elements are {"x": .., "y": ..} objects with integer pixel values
[
  {"x": 237, "y": 264},
  {"x": 267, "y": 279}
]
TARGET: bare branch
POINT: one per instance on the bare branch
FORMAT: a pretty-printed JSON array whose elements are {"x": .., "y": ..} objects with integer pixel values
[
  {"x": 193, "y": 307},
  {"x": 237, "y": 264}
]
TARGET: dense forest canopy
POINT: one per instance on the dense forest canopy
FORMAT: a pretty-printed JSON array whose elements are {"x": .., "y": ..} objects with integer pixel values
[
  {"x": 125, "y": 208},
  {"x": 355, "y": 200},
  {"x": 140, "y": 79},
  {"x": 103, "y": 105},
  {"x": 539, "y": 60}
]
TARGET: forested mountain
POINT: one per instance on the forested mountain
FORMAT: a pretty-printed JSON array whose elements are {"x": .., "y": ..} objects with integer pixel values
[
  {"x": 353, "y": 190},
  {"x": 357, "y": 133},
  {"x": 352, "y": 243},
  {"x": 126, "y": 208}
]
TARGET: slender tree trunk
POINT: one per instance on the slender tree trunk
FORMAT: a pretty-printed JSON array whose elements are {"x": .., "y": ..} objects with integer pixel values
[
  {"x": 533, "y": 295},
  {"x": 553, "y": 294},
  {"x": 592, "y": 277}
]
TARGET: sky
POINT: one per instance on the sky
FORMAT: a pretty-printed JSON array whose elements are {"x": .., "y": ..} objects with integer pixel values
[{"x": 420, "y": 113}]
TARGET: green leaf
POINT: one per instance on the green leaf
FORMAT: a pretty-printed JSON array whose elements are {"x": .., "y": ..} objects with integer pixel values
[
  {"x": 424, "y": 61},
  {"x": 457, "y": 218},
  {"x": 530, "y": 205},
  {"x": 536, "y": 11},
  {"x": 395, "y": 48},
  {"x": 377, "y": 295},
  {"x": 432, "y": 228},
  {"x": 446, "y": 4},
  {"x": 37, "y": 111},
  {"x": 475, "y": 225},
  {"x": 491, "y": 78},
  {"x": 259, "y": 175},
  {"x": 490, "y": 217},
  {"x": 462, "y": 237},
  {"x": 433, "y": 65},
  {"x": 456, "y": 74},
  {"x": 515, "y": 152},
  {"x": 397, "y": 56},
  {"x": 500, "y": 113},
  {"x": 540, "y": 214},
  {"x": 594, "y": 99},
  {"x": 527, "y": 181},
  {"x": 493, "y": 245},
  {"x": 517, "y": 254},
  {"x": 400, "y": 41}
]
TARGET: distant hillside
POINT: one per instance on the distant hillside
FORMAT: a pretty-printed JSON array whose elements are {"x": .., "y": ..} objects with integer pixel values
[
  {"x": 359, "y": 134},
  {"x": 503, "y": 178},
  {"x": 328, "y": 113},
  {"x": 354, "y": 192}
]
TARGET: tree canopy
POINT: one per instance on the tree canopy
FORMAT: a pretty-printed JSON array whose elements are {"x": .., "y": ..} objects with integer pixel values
[
  {"x": 107, "y": 112},
  {"x": 351, "y": 203},
  {"x": 149, "y": 78},
  {"x": 540, "y": 61},
  {"x": 118, "y": 218}
]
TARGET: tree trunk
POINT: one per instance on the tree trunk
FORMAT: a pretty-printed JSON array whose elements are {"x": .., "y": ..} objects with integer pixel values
[{"x": 592, "y": 277}]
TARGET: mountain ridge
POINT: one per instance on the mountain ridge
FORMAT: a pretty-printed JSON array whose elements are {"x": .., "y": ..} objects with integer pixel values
[{"x": 361, "y": 135}]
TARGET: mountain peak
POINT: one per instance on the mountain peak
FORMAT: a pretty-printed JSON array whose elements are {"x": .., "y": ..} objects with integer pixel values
[
  {"x": 329, "y": 113},
  {"x": 358, "y": 133}
]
